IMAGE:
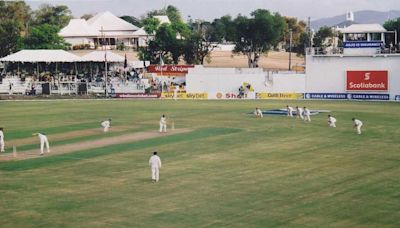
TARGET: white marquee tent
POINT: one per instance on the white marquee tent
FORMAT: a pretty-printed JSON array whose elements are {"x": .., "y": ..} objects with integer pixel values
[
  {"x": 46, "y": 56},
  {"x": 99, "y": 56}
]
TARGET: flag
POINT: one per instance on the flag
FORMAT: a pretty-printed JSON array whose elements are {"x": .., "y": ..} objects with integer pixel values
[
  {"x": 126, "y": 62},
  {"x": 161, "y": 61}
]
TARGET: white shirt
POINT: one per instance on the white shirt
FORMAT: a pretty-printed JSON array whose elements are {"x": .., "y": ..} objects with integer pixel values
[
  {"x": 357, "y": 122},
  {"x": 1, "y": 136},
  {"x": 163, "y": 120},
  {"x": 155, "y": 161},
  {"x": 42, "y": 136},
  {"x": 290, "y": 109},
  {"x": 300, "y": 111},
  {"x": 332, "y": 119},
  {"x": 105, "y": 123},
  {"x": 307, "y": 112}
]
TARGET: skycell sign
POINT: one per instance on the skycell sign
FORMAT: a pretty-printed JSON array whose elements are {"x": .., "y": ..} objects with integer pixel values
[{"x": 367, "y": 81}]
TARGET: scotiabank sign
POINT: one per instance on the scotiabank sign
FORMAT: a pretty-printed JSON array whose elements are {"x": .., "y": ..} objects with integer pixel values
[{"x": 367, "y": 80}]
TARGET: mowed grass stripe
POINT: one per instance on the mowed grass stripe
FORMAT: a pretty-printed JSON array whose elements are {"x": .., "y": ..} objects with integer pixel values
[{"x": 85, "y": 154}]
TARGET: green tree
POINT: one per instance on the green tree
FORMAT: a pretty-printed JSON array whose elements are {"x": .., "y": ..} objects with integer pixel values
[
  {"x": 53, "y": 15},
  {"x": 9, "y": 37},
  {"x": 321, "y": 37},
  {"x": 200, "y": 44},
  {"x": 174, "y": 15},
  {"x": 224, "y": 29},
  {"x": 44, "y": 37},
  {"x": 258, "y": 34},
  {"x": 393, "y": 25},
  {"x": 87, "y": 16},
  {"x": 14, "y": 23},
  {"x": 304, "y": 42},
  {"x": 133, "y": 20}
]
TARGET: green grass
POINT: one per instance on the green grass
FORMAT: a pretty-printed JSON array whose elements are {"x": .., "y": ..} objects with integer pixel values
[{"x": 232, "y": 170}]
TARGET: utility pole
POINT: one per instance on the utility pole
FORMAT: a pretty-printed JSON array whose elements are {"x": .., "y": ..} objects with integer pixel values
[
  {"x": 105, "y": 61},
  {"x": 290, "y": 49}
]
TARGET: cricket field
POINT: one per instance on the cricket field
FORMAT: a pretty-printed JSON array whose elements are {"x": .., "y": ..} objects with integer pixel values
[{"x": 221, "y": 166}]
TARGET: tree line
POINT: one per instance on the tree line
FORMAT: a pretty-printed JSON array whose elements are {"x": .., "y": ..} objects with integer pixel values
[
  {"x": 191, "y": 41},
  {"x": 23, "y": 28}
]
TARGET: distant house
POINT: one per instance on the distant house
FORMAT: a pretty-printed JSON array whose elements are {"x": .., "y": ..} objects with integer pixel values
[
  {"x": 106, "y": 29},
  {"x": 102, "y": 29}
]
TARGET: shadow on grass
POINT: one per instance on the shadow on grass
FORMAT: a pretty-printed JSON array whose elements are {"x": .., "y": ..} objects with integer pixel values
[{"x": 113, "y": 149}]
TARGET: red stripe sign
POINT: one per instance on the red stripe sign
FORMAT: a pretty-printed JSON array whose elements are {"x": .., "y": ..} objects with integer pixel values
[{"x": 367, "y": 80}]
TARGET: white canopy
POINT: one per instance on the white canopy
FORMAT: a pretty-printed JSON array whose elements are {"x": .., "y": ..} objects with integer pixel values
[
  {"x": 364, "y": 28},
  {"x": 99, "y": 56},
  {"x": 48, "y": 56},
  {"x": 78, "y": 28}
]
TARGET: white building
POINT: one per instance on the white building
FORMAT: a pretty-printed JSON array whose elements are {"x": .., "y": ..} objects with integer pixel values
[{"x": 102, "y": 29}]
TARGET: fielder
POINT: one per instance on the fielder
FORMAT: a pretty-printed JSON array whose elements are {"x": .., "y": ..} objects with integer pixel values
[
  {"x": 289, "y": 111},
  {"x": 331, "y": 121},
  {"x": 307, "y": 114},
  {"x": 176, "y": 92},
  {"x": 357, "y": 124},
  {"x": 1, "y": 140},
  {"x": 43, "y": 141},
  {"x": 106, "y": 125},
  {"x": 299, "y": 112},
  {"x": 163, "y": 124},
  {"x": 155, "y": 164},
  {"x": 258, "y": 113}
]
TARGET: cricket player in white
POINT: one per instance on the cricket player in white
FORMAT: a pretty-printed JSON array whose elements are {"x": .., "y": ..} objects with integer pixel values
[
  {"x": 1, "y": 140},
  {"x": 289, "y": 111},
  {"x": 163, "y": 124},
  {"x": 307, "y": 114},
  {"x": 357, "y": 124},
  {"x": 176, "y": 92},
  {"x": 299, "y": 112},
  {"x": 106, "y": 125},
  {"x": 43, "y": 141},
  {"x": 331, "y": 121},
  {"x": 155, "y": 164},
  {"x": 258, "y": 113}
]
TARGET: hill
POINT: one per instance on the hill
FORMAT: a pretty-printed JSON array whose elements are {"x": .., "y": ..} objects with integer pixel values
[{"x": 362, "y": 17}]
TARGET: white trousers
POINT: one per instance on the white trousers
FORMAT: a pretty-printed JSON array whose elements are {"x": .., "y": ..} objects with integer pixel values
[
  {"x": 290, "y": 113},
  {"x": 359, "y": 129},
  {"x": 332, "y": 124},
  {"x": 1, "y": 145},
  {"x": 42, "y": 143},
  {"x": 163, "y": 127},
  {"x": 307, "y": 118},
  {"x": 300, "y": 115},
  {"x": 106, "y": 129},
  {"x": 155, "y": 174}
]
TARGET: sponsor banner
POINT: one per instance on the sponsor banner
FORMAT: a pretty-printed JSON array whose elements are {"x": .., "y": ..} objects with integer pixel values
[
  {"x": 167, "y": 70},
  {"x": 367, "y": 80},
  {"x": 397, "y": 98},
  {"x": 289, "y": 96},
  {"x": 230, "y": 95},
  {"x": 362, "y": 44},
  {"x": 137, "y": 95},
  {"x": 333, "y": 96},
  {"x": 358, "y": 96},
  {"x": 184, "y": 96}
]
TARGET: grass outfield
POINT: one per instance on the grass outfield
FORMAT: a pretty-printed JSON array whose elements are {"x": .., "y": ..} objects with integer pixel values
[{"x": 231, "y": 170}]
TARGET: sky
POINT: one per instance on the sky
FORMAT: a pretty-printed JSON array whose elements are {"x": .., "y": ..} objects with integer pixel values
[{"x": 211, "y": 9}]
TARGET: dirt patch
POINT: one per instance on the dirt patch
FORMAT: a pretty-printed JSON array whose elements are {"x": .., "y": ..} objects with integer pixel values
[
  {"x": 69, "y": 148},
  {"x": 62, "y": 136}
]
